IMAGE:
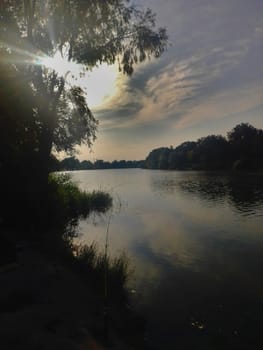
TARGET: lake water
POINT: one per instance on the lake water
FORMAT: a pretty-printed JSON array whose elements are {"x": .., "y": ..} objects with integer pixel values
[{"x": 195, "y": 244}]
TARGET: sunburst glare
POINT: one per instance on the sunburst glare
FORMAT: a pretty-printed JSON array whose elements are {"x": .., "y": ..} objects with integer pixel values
[
  {"x": 59, "y": 64},
  {"x": 100, "y": 83}
]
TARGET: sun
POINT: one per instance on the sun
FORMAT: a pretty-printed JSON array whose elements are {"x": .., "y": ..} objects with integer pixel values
[
  {"x": 100, "y": 83},
  {"x": 59, "y": 64}
]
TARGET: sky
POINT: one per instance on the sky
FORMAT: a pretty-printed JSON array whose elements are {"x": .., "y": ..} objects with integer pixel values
[{"x": 209, "y": 80}]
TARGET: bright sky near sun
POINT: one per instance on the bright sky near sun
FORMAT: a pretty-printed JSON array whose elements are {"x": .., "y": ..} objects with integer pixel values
[
  {"x": 99, "y": 84},
  {"x": 210, "y": 80}
]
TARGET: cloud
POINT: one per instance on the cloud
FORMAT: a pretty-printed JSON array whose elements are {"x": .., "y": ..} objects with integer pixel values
[
  {"x": 223, "y": 105},
  {"x": 212, "y": 71},
  {"x": 175, "y": 88}
]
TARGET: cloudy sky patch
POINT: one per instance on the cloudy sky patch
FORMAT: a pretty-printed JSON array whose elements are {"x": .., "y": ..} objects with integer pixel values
[{"x": 209, "y": 80}]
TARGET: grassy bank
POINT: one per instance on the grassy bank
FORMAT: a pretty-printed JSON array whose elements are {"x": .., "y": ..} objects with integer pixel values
[
  {"x": 66, "y": 198},
  {"x": 47, "y": 302},
  {"x": 56, "y": 294},
  {"x": 67, "y": 204}
]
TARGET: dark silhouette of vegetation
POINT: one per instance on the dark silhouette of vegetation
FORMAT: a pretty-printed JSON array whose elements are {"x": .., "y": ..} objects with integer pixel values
[
  {"x": 72, "y": 163},
  {"x": 67, "y": 200},
  {"x": 88, "y": 33},
  {"x": 41, "y": 112},
  {"x": 241, "y": 150},
  {"x": 90, "y": 259}
]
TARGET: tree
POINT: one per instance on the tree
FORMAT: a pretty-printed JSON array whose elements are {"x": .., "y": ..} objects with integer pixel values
[
  {"x": 86, "y": 164},
  {"x": 242, "y": 137},
  {"x": 70, "y": 163},
  {"x": 17, "y": 145},
  {"x": 182, "y": 156},
  {"x": 213, "y": 152},
  {"x": 157, "y": 158},
  {"x": 89, "y": 32},
  {"x": 246, "y": 146},
  {"x": 242, "y": 151}
]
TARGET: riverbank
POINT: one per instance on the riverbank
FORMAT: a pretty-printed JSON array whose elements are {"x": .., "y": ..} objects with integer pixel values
[
  {"x": 56, "y": 294},
  {"x": 47, "y": 304}
]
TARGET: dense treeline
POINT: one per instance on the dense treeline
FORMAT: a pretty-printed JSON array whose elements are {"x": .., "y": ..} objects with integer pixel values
[
  {"x": 242, "y": 149},
  {"x": 72, "y": 163}
]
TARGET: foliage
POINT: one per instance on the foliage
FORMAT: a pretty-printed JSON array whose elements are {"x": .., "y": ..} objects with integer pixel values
[
  {"x": 247, "y": 146},
  {"x": 72, "y": 163},
  {"x": 89, "y": 259},
  {"x": 66, "y": 197},
  {"x": 39, "y": 110},
  {"x": 64, "y": 204},
  {"x": 242, "y": 150},
  {"x": 157, "y": 158},
  {"x": 212, "y": 152},
  {"x": 17, "y": 141},
  {"x": 87, "y": 32},
  {"x": 182, "y": 156}
]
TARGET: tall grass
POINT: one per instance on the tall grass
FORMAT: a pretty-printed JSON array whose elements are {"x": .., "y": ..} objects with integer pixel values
[
  {"x": 89, "y": 260},
  {"x": 66, "y": 197},
  {"x": 67, "y": 203}
]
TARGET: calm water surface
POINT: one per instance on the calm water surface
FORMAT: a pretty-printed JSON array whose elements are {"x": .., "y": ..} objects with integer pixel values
[{"x": 195, "y": 243}]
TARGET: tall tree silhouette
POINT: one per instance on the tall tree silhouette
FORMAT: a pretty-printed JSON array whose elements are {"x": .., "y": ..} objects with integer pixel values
[
  {"x": 39, "y": 111},
  {"x": 87, "y": 32}
]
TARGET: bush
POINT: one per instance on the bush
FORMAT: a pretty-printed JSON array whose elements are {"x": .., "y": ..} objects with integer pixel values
[
  {"x": 107, "y": 274},
  {"x": 65, "y": 198},
  {"x": 66, "y": 204}
]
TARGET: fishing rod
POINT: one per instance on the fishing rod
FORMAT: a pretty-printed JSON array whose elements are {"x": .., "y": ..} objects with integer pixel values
[{"x": 106, "y": 291}]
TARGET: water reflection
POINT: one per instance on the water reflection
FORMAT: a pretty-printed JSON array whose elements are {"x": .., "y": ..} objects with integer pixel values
[
  {"x": 243, "y": 191},
  {"x": 200, "y": 311},
  {"x": 196, "y": 245}
]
